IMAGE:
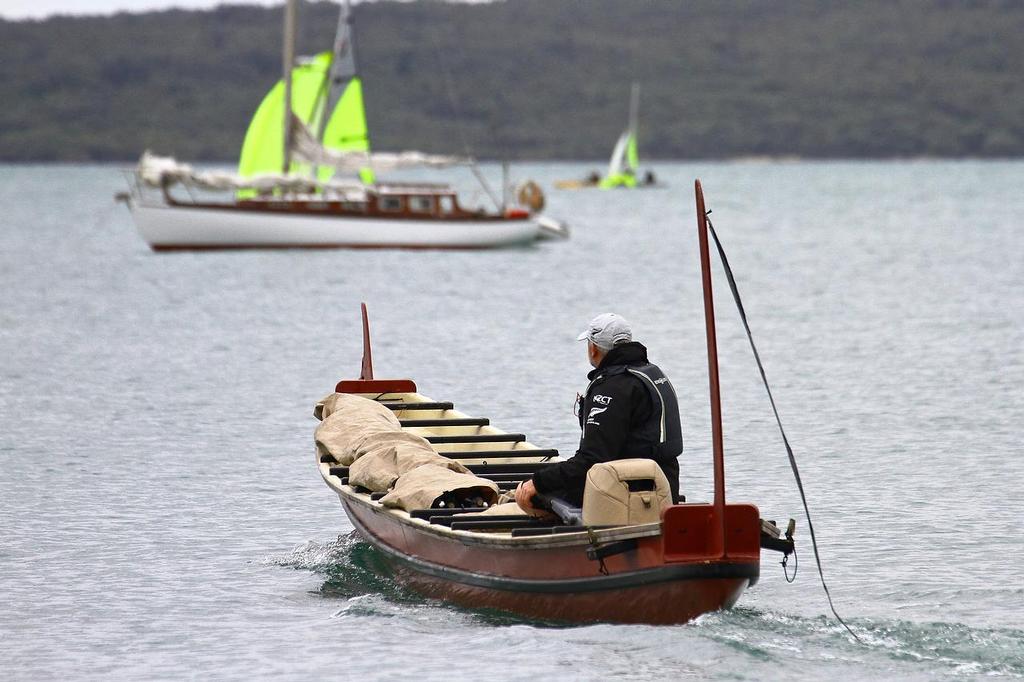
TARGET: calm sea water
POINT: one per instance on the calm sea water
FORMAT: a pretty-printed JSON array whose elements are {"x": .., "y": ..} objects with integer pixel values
[{"x": 161, "y": 515}]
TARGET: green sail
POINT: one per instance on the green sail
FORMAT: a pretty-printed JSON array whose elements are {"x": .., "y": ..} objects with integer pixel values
[
  {"x": 263, "y": 148},
  {"x": 632, "y": 156},
  {"x": 623, "y": 164},
  {"x": 346, "y": 128}
]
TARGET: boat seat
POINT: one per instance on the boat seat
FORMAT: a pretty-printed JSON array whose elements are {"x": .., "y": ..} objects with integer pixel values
[
  {"x": 448, "y": 520},
  {"x": 425, "y": 514},
  {"x": 479, "y": 438},
  {"x": 499, "y": 454},
  {"x": 468, "y": 421},
  {"x": 625, "y": 492},
  {"x": 401, "y": 407},
  {"x": 513, "y": 471},
  {"x": 506, "y": 476},
  {"x": 527, "y": 467},
  {"x": 494, "y": 525}
]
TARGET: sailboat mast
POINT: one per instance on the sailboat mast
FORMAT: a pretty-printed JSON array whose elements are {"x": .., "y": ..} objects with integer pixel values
[
  {"x": 343, "y": 65},
  {"x": 715, "y": 391},
  {"x": 634, "y": 107},
  {"x": 289, "y": 61}
]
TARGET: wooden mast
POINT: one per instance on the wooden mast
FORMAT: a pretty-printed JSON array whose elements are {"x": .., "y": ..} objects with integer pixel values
[
  {"x": 366, "y": 384},
  {"x": 367, "y": 369},
  {"x": 288, "y": 57},
  {"x": 634, "y": 107},
  {"x": 716, "y": 398}
]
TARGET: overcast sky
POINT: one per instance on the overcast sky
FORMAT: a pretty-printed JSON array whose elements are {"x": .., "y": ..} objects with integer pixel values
[{"x": 37, "y": 9}]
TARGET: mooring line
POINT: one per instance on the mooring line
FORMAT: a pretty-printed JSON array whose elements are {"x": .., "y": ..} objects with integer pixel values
[{"x": 778, "y": 420}]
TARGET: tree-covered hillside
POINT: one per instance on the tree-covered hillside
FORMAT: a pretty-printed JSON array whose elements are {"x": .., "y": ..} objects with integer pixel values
[{"x": 539, "y": 78}]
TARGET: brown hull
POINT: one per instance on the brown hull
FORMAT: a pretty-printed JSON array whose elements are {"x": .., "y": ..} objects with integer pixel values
[
  {"x": 662, "y": 603},
  {"x": 557, "y": 583}
]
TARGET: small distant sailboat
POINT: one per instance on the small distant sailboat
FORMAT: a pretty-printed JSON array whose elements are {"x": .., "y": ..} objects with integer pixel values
[
  {"x": 309, "y": 127},
  {"x": 624, "y": 165}
]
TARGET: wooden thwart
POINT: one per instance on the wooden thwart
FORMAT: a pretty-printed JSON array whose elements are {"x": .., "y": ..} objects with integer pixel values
[
  {"x": 448, "y": 519},
  {"x": 468, "y": 421},
  {"x": 514, "y": 467},
  {"x": 426, "y": 514},
  {"x": 521, "y": 522},
  {"x": 400, "y": 407},
  {"x": 478, "y": 438},
  {"x": 499, "y": 454},
  {"x": 505, "y": 472}
]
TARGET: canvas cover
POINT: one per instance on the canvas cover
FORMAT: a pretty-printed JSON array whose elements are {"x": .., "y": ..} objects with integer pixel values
[
  {"x": 165, "y": 171},
  {"x": 327, "y": 405},
  {"x": 504, "y": 509},
  {"x": 379, "y": 469},
  {"x": 608, "y": 500},
  {"x": 308, "y": 149},
  {"x": 421, "y": 487},
  {"x": 353, "y": 426}
]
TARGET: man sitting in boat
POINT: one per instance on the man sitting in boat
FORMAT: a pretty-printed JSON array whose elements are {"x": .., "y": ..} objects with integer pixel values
[{"x": 629, "y": 411}]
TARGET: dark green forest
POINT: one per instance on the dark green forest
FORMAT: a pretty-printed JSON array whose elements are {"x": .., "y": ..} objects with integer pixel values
[{"x": 539, "y": 79}]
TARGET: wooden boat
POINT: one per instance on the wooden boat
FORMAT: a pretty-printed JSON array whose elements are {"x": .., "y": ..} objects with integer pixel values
[
  {"x": 700, "y": 557},
  {"x": 310, "y": 126},
  {"x": 385, "y": 216}
]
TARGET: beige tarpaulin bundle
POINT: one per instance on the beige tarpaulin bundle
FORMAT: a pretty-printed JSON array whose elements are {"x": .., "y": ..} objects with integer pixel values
[
  {"x": 378, "y": 470},
  {"x": 333, "y": 402},
  {"x": 367, "y": 437},
  {"x": 609, "y": 501},
  {"x": 420, "y": 488},
  {"x": 504, "y": 509},
  {"x": 353, "y": 426}
]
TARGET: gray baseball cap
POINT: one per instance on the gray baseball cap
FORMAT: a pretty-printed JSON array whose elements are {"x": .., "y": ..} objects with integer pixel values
[{"x": 607, "y": 330}]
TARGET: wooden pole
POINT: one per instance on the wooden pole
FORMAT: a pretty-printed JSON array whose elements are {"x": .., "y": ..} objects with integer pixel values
[
  {"x": 716, "y": 398},
  {"x": 634, "y": 107},
  {"x": 367, "y": 371},
  {"x": 288, "y": 57}
]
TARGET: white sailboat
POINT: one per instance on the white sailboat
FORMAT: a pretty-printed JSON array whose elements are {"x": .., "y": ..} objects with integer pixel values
[
  {"x": 624, "y": 165},
  {"x": 291, "y": 189}
]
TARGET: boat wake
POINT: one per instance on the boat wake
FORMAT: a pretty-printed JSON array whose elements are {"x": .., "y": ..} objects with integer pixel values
[
  {"x": 358, "y": 575},
  {"x": 355, "y": 571},
  {"x": 352, "y": 567},
  {"x": 952, "y": 649}
]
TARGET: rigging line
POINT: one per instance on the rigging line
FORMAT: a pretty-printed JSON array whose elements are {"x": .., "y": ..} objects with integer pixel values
[
  {"x": 778, "y": 419},
  {"x": 453, "y": 103}
]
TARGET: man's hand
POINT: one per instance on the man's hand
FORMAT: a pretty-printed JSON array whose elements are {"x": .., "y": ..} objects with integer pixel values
[{"x": 524, "y": 498}]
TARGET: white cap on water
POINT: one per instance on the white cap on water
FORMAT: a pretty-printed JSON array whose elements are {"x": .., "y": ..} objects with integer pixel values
[{"x": 607, "y": 330}]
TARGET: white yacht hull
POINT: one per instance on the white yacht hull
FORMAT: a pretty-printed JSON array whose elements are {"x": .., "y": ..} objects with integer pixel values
[{"x": 166, "y": 227}]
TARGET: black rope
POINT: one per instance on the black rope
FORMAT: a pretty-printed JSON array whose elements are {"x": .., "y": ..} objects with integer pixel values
[
  {"x": 789, "y": 450},
  {"x": 796, "y": 567}
]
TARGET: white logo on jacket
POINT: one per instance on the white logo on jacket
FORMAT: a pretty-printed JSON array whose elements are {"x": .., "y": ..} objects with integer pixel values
[
  {"x": 594, "y": 411},
  {"x": 602, "y": 399}
]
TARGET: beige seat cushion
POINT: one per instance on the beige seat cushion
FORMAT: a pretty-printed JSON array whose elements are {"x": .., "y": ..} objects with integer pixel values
[{"x": 608, "y": 500}]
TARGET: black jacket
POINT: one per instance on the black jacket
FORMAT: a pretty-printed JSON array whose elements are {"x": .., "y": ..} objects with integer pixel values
[{"x": 622, "y": 417}]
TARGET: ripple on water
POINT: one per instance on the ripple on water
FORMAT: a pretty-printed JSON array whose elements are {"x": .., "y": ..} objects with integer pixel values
[
  {"x": 357, "y": 573},
  {"x": 943, "y": 648}
]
